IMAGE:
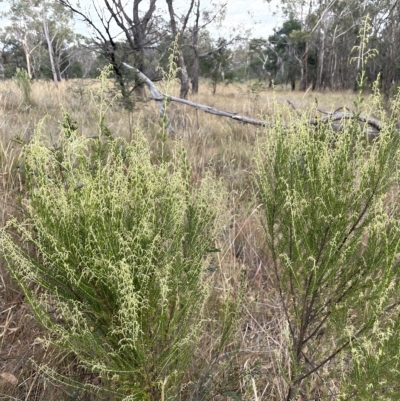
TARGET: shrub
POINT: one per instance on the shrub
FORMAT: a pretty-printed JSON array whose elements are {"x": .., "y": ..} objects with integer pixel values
[
  {"x": 112, "y": 257},
  {"x": 331, "y": 222}
]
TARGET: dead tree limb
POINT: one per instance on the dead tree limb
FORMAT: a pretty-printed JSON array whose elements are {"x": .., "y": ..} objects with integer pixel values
[
  {"x": 330, "y": 117},
  {"x": 218, "y": 112},
  {"x": 154, "y": 93},
  {"x": 347, "y": 115}
]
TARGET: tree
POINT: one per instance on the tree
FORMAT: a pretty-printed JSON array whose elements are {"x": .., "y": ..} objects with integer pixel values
[
  {"x": 322, "y": 42},
  {"x": 24, "y": 27},
  {"x": 65, "y": 46},
  {"x": 214, "y": 15},
  {"x": 389, "y": 46},
  {"x": 259, "y": 58},
  {"x": 12, "y": 54},
  {"x": 284, "y": 48},
  {"x": 139, "y": 29},
  {"x": 310, "y": 21},
  {"x": 34, "y": 23},
  {"x": 49, "y": 41},
  {"x": 58, "y": 34},
  {"x": 178, "y": 34},
  {"x": 217, "y": 64}
]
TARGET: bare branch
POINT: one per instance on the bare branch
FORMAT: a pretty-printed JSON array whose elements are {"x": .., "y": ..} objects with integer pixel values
[
  {"x": 154, "y": 92},
  {"x": 348, "y": 115},
  {"x": 224, "y": 44},
  {"x": 331, "y": 117}
]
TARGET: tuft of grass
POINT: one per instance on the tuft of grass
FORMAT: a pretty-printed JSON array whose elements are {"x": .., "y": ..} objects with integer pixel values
[{"x": 23, "y": 82}]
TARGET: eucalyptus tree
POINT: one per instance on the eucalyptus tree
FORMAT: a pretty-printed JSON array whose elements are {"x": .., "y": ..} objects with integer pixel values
[
  {"x": 195, "y": 44},
  {"x": 66, "y": 44},
  {"x": 340, "y": 30},
  {"x": 259, "y": 53},
  {"x": 284, "y": 49},
  {"x": 199, "y": 35},
  {"x": 178, "y": 33},
  {"x": 340, "y": 58},
  {"x": 24, "y": 28},
  {"x": 12, "y": 55},
  {"x": 217, "y": 65},
  {"x": 311, "y": 16},
  {"x": 49, "y": 38},
  {"x": 109, "y": 21},
  {"x": 324, "y": 44},
  {"x": 34, "y": 23},
  {"x": 387, "y": 34}
]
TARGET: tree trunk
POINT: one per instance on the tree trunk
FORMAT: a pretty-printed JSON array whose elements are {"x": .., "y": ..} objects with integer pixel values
[
  {"x": 195, "y": 74},
  {"x": 27, "y": 55},
  {"x": 196, "y": 59},
  {"x": 49, "y": 45},
  {"x": 58, "y": 70},
  {"x": 321, "y": 61},
  {"x": 139, "y": 52},
  {"x": 391, "y": 71},
  {"x": 292, "y": 75},
  {"x": 304, "y": 69},
  {"x": 183, "y": 74},
  {"x": 272, "y": 76},
  {"x": 184, "y": 77},
  {"x": 315, "y": 72},
  {"x": 293, "y": 82},
  {"x": 333, "y": 76}
]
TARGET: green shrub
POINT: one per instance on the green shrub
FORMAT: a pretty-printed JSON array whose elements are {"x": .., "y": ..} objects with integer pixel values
[
  {"x": 112, "y": 257},
  {"x": 331, "y": 222}
]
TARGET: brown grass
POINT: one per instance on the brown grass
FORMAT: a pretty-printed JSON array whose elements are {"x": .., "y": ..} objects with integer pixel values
[{"x": 224, "y": 146}]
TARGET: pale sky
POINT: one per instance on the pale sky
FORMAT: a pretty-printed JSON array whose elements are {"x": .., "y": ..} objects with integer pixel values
[{"x": 258, "y": 17}]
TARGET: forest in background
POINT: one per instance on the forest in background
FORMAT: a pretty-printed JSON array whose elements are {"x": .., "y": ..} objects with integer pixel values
[{"x": 313, "y": 49}]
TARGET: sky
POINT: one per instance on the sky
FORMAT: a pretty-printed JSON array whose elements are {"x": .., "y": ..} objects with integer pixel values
[{"x": 258, "y": 17}]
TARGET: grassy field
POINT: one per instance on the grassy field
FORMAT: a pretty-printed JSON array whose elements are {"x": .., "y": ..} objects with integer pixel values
[{"x": 259, "y": 349}]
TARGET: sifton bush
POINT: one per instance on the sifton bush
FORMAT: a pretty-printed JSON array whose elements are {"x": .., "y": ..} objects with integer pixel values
[
  {"x": 111, "y": 257},
  {"x": 332, "y": 224}
]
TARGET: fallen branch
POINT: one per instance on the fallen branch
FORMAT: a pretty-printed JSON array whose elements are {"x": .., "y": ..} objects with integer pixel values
[
  {"x": 347, "y": 114},
  {"x": 154, "y": 92},
  {"x": 217, "y": 112},
  {"x": 337, "y": 115}
]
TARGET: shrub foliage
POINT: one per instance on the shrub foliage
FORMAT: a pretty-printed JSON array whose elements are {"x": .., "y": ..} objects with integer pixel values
[
  {"x": 111, "y": 257},
  {"x": 331, "y": 221}
]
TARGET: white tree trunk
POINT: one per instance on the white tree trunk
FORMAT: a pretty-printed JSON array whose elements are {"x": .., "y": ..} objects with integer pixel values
[
  {"x": 49, "y": 44},
  {"x": 27, "y": 55}
]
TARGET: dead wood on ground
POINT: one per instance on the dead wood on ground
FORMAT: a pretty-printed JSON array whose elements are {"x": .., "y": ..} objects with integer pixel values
[{"x": 341, "y": 114}]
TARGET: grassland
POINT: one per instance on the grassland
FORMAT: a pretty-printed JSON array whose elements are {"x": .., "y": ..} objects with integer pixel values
[{"x": 214, "y": 144}]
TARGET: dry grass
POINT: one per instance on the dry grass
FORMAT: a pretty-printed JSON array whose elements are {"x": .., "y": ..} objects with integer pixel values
[{"x": 226, "y": 147}]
